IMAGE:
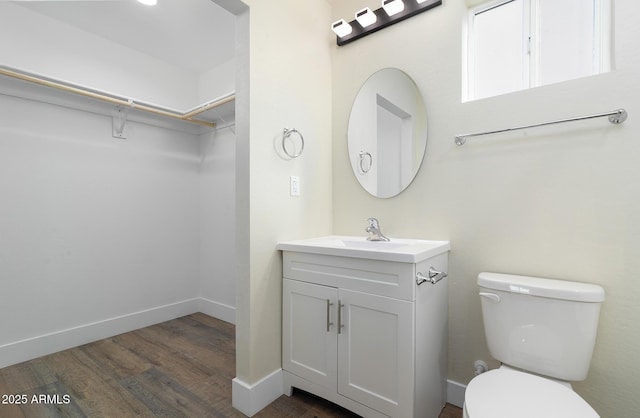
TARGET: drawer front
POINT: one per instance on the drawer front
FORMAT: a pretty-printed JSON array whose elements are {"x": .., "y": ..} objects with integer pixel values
[{"x": 384, "y": 278}]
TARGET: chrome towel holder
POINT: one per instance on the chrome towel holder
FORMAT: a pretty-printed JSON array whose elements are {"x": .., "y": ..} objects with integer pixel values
[
  {"x": 286, "y": 133},
  {"x": 616, "y": 117},
  {"x": 434, "y": 276},
  {"x": 362, "y": 155}
]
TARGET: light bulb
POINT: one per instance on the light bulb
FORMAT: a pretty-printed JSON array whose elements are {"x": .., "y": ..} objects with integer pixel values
[
  {"x": 341, "y": 28},
  {"x": 366, "y": 17},
  {"x": 392, "y": 7}
]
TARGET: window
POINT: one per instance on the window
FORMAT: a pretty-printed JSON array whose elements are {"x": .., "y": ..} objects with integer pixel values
[{"x": 519, "y": 44}]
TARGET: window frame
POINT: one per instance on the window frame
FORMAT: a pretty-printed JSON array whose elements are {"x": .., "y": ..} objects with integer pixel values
[{"x": 603, "y": 37}]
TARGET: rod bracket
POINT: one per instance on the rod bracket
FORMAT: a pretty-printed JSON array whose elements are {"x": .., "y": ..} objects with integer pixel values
[
  {"x": 619, "y": 117},
  {"x": 120, "y": 120}
]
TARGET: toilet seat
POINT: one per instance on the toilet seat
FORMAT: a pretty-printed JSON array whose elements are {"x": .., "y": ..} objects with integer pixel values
[{"x": 505, "y": 393}]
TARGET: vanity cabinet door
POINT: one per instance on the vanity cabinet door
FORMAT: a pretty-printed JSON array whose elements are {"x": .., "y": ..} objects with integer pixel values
[
  {"x": 376, "y": 352},
  {"x": 309, "y": 345}
]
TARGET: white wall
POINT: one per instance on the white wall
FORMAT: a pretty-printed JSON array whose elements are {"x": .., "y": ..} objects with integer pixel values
[
  {"x": 287, "y": 84},
  {"x": 68, "y": 53},
  {"x": 217, "y": 223},
  {"x": 217, "y": 82},
  {"x": 92, "y": 228},
  {"x": 557, "y": 202},
  {"x": 100, "y": 235}
]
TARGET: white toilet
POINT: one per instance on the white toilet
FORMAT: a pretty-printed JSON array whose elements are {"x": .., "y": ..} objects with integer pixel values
[{"x": 543, "y": 331}]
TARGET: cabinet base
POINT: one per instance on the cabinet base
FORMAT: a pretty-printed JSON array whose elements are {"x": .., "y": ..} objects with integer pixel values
[{"x": 290, "y": 381}]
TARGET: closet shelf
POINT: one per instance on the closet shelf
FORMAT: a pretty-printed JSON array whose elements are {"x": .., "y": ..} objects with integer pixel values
[{"x": 122, "y": 102}]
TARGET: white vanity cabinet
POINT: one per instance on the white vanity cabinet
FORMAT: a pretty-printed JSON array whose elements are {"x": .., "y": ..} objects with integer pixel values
[{"x": 362, "y": 333}]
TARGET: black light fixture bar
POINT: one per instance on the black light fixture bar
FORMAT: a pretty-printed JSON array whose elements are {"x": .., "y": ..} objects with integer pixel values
[{"x": 411, "y": 8}]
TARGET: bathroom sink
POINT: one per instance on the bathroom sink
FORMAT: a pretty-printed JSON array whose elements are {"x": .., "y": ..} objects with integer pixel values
[{"x": 398, "y": 249}]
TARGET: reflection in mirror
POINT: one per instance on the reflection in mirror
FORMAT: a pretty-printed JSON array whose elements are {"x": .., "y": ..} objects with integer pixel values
[{"x": 387, "y": 134}]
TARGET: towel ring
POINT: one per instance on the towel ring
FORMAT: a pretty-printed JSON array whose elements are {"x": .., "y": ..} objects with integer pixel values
[
  {"x": 286, "y": 133},
  {"x": 364, "y": 154}
]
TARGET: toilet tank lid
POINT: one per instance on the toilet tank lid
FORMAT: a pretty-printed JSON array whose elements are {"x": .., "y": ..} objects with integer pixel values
[{"x": 537, "y": 286}]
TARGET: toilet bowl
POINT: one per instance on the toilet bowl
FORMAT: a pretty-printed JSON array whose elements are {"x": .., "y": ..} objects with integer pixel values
[
  {"x": 506, "y": 393},
  {"x": 543, "y": 331}
]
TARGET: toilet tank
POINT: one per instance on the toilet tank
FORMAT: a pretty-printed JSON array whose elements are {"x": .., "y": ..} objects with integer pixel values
[{"x": 544, "y": 326}]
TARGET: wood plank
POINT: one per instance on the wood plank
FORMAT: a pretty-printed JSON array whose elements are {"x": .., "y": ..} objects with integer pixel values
[
  {"x": 96, "y": 395},
  {"x": 197, "y": 336},
  {"x": 54, "y": 406},
  {"x": 165, "y": 397},
  {"x": 26, "y": 376},
  {"x": 114, "y": 360},
  {"x": 197, "y": 351},
  {"x": 184, "y": 369},
  {"x": 222, "y": 327},
  {"x": 10, "y": 410}
]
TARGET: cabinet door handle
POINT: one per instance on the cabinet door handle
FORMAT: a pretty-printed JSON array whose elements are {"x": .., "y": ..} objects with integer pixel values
[
  {"x": 329, "y": 323},
  {"x": 340, "y": 325}
]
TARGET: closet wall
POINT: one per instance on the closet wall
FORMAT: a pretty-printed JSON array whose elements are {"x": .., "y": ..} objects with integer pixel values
[
  {"x": 217, "y": 231},
  {"x": 100, "y": 235}
]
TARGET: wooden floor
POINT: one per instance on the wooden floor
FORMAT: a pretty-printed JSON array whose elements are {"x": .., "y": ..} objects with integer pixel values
[{"x": 180, "y": 368}]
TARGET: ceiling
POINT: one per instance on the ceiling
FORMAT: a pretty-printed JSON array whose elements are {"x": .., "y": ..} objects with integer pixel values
[{"x": 194, "y": 34}]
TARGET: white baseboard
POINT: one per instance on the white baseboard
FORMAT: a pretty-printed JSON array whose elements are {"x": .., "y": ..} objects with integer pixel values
[
  {"x": 455, "y": 393},
  {"x": 217, "y": 310},
  {"x": 250, "y": 399},
  {"x": 30, "y": 348}
]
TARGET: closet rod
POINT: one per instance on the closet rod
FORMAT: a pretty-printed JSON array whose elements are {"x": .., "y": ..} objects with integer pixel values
[
  {"x": 209, "y": 106},
  {"x": 186, "y": 117},
  {"x": 615, "y": 116}
]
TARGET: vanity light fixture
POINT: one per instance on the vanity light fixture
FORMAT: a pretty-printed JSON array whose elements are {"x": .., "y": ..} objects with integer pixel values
[
  {"x": 369, "y": 21},
  {"x": 392, "y": 7},
  {"x": 366, "y": 17},
  {"x": 341, "y": 28},
  {"x": 148, "y": 2}
]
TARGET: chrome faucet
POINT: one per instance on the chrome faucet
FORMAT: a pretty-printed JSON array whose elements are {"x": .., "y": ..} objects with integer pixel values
[{"x": 374, "y": 231}]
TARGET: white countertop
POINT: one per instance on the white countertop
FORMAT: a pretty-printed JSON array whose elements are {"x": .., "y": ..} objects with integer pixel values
[{"x": 398, "y": 249}]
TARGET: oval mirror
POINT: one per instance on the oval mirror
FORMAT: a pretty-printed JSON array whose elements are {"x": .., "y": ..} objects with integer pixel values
[{"x": 387, "y": 134}]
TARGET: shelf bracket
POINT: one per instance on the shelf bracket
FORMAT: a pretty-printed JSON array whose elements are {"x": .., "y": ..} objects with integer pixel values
[{"x": 120, "y": 120}]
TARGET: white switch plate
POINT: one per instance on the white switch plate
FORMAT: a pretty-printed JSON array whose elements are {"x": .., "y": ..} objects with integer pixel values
[{"x": 295, "y": 185}]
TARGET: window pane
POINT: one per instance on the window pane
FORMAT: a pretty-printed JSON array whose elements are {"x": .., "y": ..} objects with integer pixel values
[
  {"x": 498, "y": 37},
  {"x": 566, "y": 43}
]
